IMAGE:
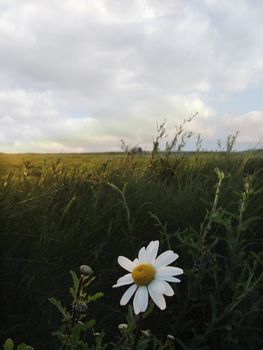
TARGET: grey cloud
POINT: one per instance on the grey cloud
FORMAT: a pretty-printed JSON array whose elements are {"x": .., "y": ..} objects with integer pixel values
[{"x": 87, "y": 53}]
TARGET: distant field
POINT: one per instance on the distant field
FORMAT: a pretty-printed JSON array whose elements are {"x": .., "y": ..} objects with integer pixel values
[{"x": 13, "y": 162}]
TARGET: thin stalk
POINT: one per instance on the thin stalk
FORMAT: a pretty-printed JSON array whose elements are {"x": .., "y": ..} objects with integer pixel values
[
  {"x": 220, "y": 177},
  {"x": 243, "y": 203},
  {"x": 138, "y": 332},
  {"x": 75, "y": 301}
]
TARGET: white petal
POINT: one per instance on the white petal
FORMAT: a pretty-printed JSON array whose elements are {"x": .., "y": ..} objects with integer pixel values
[
  {"x": 126, "y": 263},
  {"x": 152, "y": 251},
  {"x": 157, "y": 286},
  {"x": 141, "y": 255},
  {"x": 146, "y": 250},
  {"x": 127, "y": 279},
  {"x": 128, "y": 294},
  {"x": 141, "y": 297},
  {"x": 149, "y": 245},
  {"x": 157, "y": 298},
  {"x": 136, "y": 305},
  {"x": 120, "y": 285},
  {"x": 168, "y": 271},
  {"x": 165, "y": 258},
  {"x": 169, "y": 279},
  {"x": 168, "y": 289}
]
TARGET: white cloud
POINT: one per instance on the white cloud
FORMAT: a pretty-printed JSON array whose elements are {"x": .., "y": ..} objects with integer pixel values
[
  {"x": 32, "y": 119},
  {"x": 82, "y": 74}
]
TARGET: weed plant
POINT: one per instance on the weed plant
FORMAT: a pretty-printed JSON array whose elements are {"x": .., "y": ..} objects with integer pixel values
[{"x": 207, "y": 207}]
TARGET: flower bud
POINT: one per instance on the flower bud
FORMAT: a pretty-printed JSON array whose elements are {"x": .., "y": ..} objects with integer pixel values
[
  {"x": 85, "y": 270},
  {"x": 81, "y": 308},
  {"x": 122, "y": 326}
]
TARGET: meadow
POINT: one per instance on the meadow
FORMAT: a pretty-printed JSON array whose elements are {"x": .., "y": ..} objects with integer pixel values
[{"x": 58, "y": 212}]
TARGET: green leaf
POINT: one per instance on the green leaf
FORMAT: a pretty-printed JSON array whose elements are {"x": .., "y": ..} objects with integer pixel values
[
  {"x": 75, "y": 280},
  {"x": 9, "y": 344},
  {"x": 130, "y": 318},
  {"x": 69, "y": 205},
  {"x": 148, "y": 311},
  {"x": 60, "y": 308},
  {"x": 94, "y": 297},
  {"x": 22, "y": 346},
  {"x": 79, "y": 328}
]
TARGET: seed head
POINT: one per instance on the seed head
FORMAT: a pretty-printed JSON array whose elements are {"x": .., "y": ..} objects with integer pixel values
[{"x": 85, "y": 270}]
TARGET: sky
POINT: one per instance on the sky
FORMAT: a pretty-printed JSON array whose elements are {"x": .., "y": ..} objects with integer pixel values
[{"x": 80, "y": 75}]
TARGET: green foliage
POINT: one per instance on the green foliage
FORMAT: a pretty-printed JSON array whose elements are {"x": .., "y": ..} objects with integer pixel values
[
  {"x": 74, "y": 330},
  {"x": 66, "y": 315},
  {"x": 54, "y": 220},
  {"x": 9, "y": 345},
  {"x": 22, "y": 346},
  {"x": 133, "y": 336}
]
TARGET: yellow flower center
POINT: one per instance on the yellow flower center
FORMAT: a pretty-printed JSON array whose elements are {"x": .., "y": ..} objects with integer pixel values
[{"x": 143, "y": 274}]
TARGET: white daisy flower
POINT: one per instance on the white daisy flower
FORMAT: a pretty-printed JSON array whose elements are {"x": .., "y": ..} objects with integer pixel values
[{"x": 148, "y": 275}]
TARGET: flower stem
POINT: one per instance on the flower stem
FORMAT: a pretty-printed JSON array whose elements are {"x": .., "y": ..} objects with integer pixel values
[
  {"x": 138, "y": 331},
  {"x": 76, "y": 299}
]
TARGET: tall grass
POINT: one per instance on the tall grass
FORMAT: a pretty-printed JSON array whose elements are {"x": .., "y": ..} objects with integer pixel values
[{"x": 207, "y": 207}]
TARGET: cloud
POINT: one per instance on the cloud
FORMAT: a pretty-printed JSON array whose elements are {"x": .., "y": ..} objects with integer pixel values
[
  {"x": 249, "y": 126},
  {"x": 81, "y": 75},
  {"x": 32, "y": 119}
]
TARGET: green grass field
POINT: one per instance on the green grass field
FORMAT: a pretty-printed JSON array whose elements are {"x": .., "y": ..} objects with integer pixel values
[{"x": 89, "y": 209}]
